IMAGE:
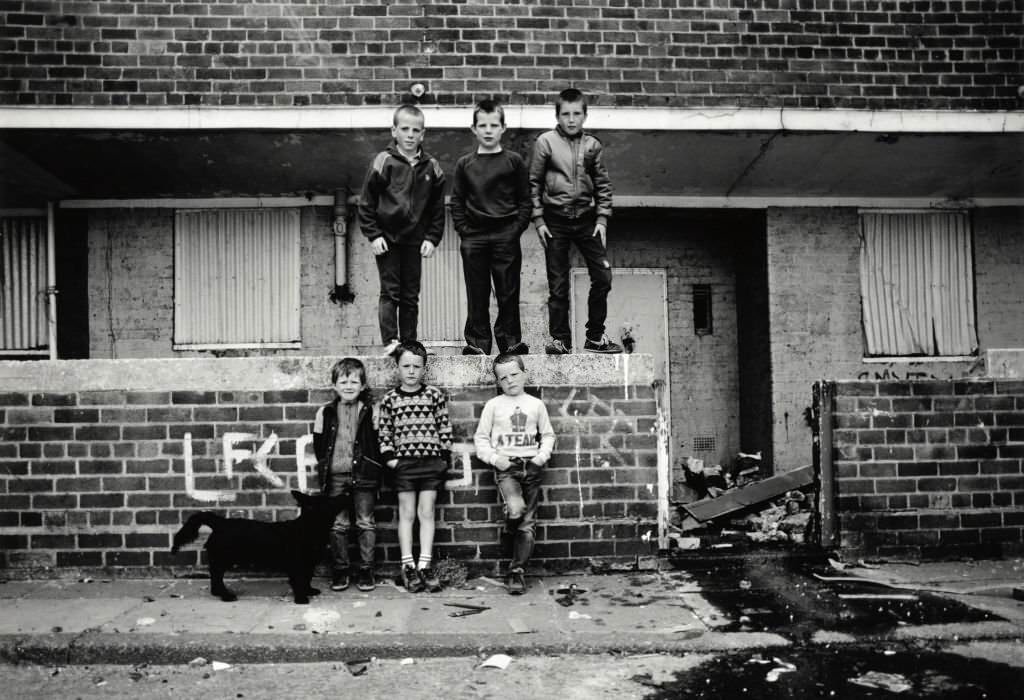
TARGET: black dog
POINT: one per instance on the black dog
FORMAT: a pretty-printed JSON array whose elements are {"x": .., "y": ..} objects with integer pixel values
[{"x": 294, "y": 545}]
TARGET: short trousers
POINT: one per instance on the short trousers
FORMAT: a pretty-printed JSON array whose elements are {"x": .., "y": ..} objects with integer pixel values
[{"x": 419, "y": 474}]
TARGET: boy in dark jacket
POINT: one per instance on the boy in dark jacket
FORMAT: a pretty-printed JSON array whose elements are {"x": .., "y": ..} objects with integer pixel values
[
  {"x": 401, "y": 211},
  {"x": 348, "y": 463},
  {"x": 572, "y": 201},
  {"x": 490, "y": 206}
]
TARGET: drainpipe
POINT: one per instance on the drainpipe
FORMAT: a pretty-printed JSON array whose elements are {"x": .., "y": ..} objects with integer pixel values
[
  {"x": 824, "y": 393},
  {"x": 51, "y": 280},
  {"x": 341, "y": 292}
]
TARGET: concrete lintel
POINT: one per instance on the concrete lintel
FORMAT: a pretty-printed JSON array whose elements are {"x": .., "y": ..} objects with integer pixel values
[
  {"x": 280, "y": 373},
  {"x": 516, "y": 117}
]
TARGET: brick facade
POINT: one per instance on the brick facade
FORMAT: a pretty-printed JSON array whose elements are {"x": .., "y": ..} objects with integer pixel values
[
  {"x": 95, "y": 479},
  {"x": 862, "y": 54},
  {"x": 930, "y": 467}
]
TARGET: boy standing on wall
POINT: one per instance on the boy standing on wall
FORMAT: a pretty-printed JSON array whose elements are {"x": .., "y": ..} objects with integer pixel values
[
  {"x": 490, "y": 206},
  {"x": 401, "y": 211},
  {"x": 572, "y": 200}
]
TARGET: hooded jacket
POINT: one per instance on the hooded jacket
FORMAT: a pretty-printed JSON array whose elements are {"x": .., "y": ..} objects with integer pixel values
[
  {"x": 568, "y": 177},
  {"x": 402, "y": 201}
]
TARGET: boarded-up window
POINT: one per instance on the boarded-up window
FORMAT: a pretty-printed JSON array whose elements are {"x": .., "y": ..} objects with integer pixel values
[
  {"x": 917, "y": 284},
  {"x": 23, "y": 319},
  {"x": 236, "y": 278},
  {"x": 443, "y": 293}
]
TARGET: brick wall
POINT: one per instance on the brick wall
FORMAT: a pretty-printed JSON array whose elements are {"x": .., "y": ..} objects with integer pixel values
[
  {"x": 930, "y": 467},
  {"x": 865, "y": 54},
  {"x": 96, "y": 478}
]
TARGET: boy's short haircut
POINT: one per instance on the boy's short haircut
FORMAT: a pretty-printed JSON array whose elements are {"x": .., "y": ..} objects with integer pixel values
[
  {"x": 411, "y": 110},
  {"x": 413, "y": 346},
  {"x": 570, "y": 95},
  {"x": 507, "y": 358},
  {"x": 346, "y": 366},
  {"x": 489, "y": 107}
]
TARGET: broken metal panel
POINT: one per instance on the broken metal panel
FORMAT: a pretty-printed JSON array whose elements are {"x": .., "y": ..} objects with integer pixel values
[
  {"x": 752, "y": 494},
  {"x": 23, "y": 280},
  {"x": 236, "y": 277},
  {"x": 917, "y": 283}
]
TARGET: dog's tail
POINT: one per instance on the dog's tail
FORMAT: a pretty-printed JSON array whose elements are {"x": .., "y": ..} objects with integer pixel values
[{"x": 190, "y": 530}]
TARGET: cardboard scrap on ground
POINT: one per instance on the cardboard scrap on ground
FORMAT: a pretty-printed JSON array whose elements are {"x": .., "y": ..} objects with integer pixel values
[{"x": 749, "y": 495}]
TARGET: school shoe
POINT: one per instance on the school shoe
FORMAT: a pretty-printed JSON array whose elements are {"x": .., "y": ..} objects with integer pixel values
[
  {"x": 339, "y": 581},
  {"x": 365, "y": 580},
  {"x": 515, "y": 582},
  {"x": 518, "y": 349},
  {"x": 472, "y": 350},
  {"x": 557, "y": 347},
  {"x": 429, "y": 580},
  {"x": 411, "y": 579},
  {"x": 604, "y": 346},
  {"x": 390, "y": 348}
]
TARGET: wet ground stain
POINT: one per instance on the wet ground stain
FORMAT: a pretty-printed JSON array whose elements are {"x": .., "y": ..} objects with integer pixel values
[
  {"x": 780, "y": 594},
  {"x": 842, "y": 672}
]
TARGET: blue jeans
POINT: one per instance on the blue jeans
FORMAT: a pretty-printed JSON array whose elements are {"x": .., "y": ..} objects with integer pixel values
[
  {"x": 492, "y": 257},
  {"x": 362, "y": 504},
  {"x": 520, "y": 489},
  {"x": 400, "y": 270},
  {"x": 566, "y": 233}
]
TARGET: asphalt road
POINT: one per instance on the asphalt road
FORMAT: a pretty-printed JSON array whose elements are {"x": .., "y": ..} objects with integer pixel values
[{"x": 974, "y": 670}]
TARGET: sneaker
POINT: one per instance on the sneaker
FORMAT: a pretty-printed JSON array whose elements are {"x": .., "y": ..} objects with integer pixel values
[
  {"x": 604, "y": 346},
  {"x": 411, "y": 579},
  {"x": 515, "y": 582},
  {"x": 557, "y": 347},
  {"x": 339, "y": 581},
  {"x": 390, "y": 348},
  {"x": 518, "y": 349},
  {"x": 429, "y": 580},
  {"x": 472, "y": 350},
  {"x": 365, "y": 580}
]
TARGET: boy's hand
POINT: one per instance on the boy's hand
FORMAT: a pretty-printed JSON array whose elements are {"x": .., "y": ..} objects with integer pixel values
[
  {"x": 392, "y": 463},
  {"x": 379, "y": 246},
  {"x": 427, "y": 249},
  {"x": 543, "y": 234},
  {"x": 601, "y": 231},
  {"x": 502, "y": 463}
]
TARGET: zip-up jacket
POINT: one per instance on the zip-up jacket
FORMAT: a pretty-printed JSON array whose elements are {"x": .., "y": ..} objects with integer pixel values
[
  {"x": 568, "y": 177},
  {"x": 403, "y": 201},
  {"x": 366, "y": 465}
]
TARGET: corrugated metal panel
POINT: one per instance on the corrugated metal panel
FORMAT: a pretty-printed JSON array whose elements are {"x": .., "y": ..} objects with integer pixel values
[
  {"x": 236, "y": 277},
  {"x": 443, "y": 292},
  {"x": 917, "y": 284},
  {"x": 23, "y": 283}
]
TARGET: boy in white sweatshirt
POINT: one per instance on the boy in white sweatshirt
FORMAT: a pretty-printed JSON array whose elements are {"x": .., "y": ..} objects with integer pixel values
[{"x": 515, "y": 437}]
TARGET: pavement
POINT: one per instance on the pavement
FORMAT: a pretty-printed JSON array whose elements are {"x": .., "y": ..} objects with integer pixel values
[{"x": 671, "y": 610}]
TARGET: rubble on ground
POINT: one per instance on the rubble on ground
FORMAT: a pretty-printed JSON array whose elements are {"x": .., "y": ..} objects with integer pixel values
[{"x": 721, "y": 506}]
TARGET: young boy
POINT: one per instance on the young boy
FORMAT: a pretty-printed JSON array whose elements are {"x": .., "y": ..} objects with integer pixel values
[
  {"x": 416, "y": 443},
  {"x": 490, "y": 206},
  {"x": 348, "y": 463},
  {"x": 401, "y": 211},
  {"x": 515, "y": 437},
  {"x": 572, "y": 200}
]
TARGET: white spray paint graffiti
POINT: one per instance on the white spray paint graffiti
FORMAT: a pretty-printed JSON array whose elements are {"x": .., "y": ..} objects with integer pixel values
[{"x": 303, "y": 462}]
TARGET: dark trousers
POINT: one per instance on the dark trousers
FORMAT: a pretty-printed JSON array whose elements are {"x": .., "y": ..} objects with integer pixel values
[
  {"x": 566, "y": 233},
  {"x": 492, "y": 258},
  {"x": 520, "y": 489},
  {"x": 400, "y": 269},
  {"x": 361, "y": 505}
]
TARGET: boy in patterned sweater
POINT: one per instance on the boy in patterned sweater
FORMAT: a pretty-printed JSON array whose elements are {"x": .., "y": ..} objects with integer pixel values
[
  {"x": 416, "y": 443},
  {"x": 515, "y": 437}
]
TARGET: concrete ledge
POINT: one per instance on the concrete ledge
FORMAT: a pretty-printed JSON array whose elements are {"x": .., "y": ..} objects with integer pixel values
[{"x": 279, "y": 373}]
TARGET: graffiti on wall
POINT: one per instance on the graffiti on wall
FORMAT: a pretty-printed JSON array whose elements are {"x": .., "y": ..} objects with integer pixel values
[{"x": 232, "y": 454}]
